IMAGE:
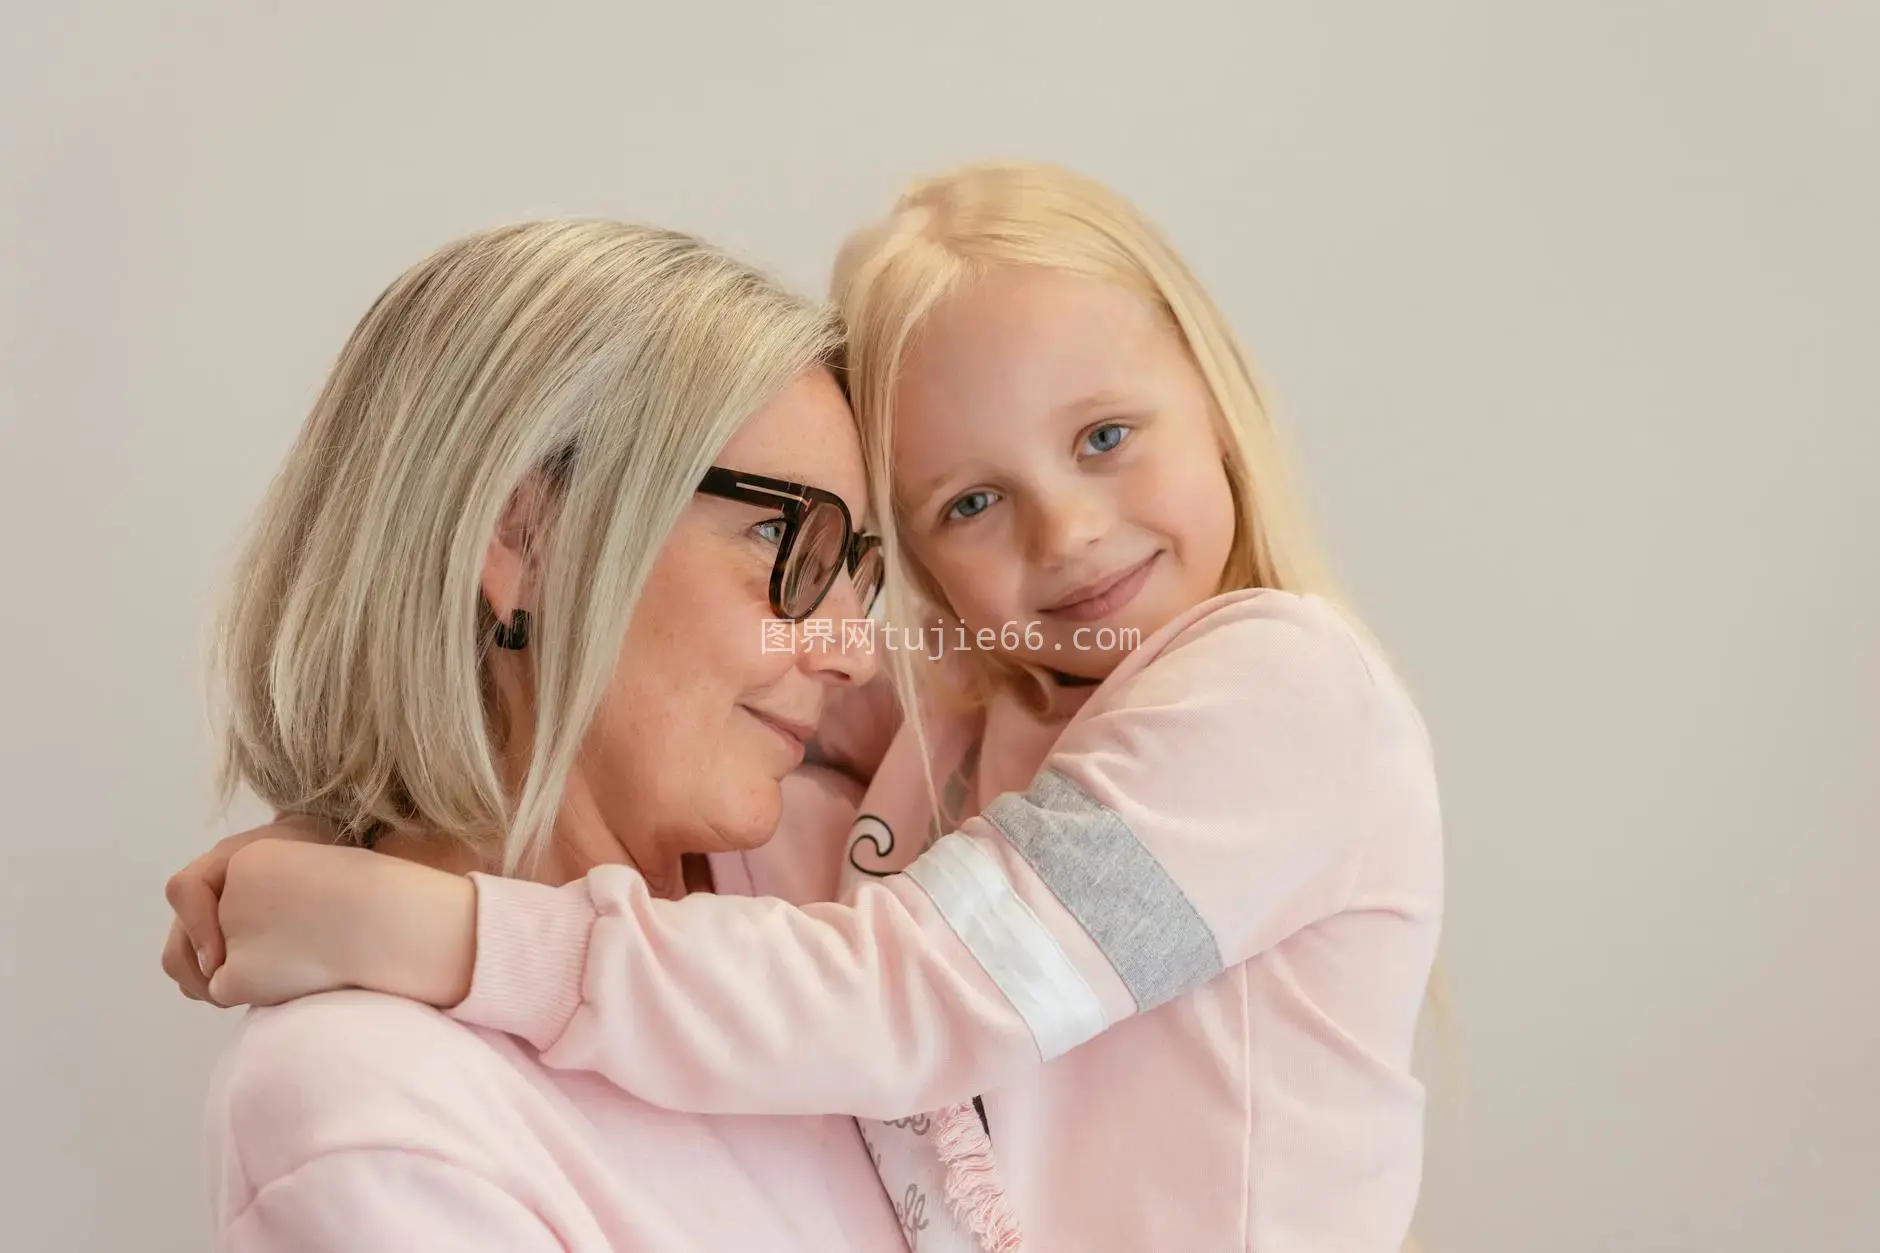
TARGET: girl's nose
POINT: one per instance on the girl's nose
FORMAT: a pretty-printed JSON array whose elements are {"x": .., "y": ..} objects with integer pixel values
[{"x": 1068, "y": 522}]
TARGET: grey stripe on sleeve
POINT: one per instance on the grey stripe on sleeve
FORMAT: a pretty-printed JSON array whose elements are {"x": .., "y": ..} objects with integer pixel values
[{"x": 1086, "y": 854}]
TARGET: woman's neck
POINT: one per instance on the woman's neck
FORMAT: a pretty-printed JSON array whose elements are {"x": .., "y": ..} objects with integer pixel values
[
  {"x": 582, "y": 837},
  {"x": 435, "y": 849},
  {"x": 580, "y": 841}
]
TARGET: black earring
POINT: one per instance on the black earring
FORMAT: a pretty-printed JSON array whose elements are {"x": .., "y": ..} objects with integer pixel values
[{"x": 515, "y": 636}]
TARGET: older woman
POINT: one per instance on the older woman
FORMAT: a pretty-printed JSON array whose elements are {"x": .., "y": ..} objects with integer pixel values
[{"x": 511, "y": 586}]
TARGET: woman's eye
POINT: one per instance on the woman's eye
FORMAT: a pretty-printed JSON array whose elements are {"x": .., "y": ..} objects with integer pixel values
[
  {"x": 771, "y": 532},
  {"x": 1105, "y": 438},
  {"x": 970, "y": 505}
]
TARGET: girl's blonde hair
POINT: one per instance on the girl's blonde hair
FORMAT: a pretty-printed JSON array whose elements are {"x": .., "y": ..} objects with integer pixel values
[
  {"x": 946, "y": 232},
  {"x": 601, "y": 364}
]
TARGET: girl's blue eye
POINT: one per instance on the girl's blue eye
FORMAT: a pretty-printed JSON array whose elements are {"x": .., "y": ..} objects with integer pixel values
[
  {"x": 971, "y": 505},
  {"x": 1105, "y": 438},
  {"x": 771, "y": 532}
]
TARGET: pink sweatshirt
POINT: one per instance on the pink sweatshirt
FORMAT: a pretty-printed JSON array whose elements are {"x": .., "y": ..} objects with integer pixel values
[
  {"x": 359, "y": 1123},
  {"x": 1181, "y": 952}
]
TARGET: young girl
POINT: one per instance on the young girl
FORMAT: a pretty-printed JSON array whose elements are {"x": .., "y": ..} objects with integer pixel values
[{"x": 1151, "y": 981}]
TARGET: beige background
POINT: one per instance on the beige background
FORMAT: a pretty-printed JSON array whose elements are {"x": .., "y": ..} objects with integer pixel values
[{"x": 1572, "y": 307}]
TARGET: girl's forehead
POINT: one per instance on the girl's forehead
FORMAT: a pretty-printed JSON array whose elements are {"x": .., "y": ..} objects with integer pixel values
[
  {"x": 990, "y": 374},
  {"x": 1030, "y": 336}
]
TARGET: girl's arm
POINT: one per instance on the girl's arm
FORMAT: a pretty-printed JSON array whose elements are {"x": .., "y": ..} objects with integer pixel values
[
  {"x": 1210, "y": 801},
  {"x": 856, "y": 730}
]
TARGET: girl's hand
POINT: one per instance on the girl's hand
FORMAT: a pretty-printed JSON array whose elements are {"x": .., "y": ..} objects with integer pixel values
[
  {"x": 194, "y": 949},
  {"x": 303, "y": 918}
]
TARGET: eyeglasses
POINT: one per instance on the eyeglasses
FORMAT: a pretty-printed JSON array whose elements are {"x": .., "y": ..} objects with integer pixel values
[{"x": 819, "y": 541}]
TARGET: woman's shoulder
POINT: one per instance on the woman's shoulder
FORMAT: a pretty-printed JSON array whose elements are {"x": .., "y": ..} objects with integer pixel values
[{"x": 349, "y": 1070}]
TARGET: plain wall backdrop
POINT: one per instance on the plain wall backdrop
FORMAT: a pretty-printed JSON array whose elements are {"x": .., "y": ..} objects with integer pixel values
[{"x": 1571, "y": 309}]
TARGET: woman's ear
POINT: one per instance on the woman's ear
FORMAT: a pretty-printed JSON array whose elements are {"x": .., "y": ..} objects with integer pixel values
[{"x": 511, "y": 576}]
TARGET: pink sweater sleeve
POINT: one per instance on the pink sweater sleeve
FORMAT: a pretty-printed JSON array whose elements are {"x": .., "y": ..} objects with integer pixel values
[
  {"x": 1215, "y": 796},
  {"x": 373, "y": 1200}
]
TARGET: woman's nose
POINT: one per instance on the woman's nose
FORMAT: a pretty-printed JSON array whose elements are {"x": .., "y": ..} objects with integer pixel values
[{"x": 839, "y": 638}]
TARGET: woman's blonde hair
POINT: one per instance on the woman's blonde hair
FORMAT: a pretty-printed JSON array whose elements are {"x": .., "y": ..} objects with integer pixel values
[{"x": 600, "y": 363}]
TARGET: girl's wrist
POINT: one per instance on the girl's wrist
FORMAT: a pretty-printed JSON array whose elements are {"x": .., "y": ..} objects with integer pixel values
[{"x": 415, "y": 935}]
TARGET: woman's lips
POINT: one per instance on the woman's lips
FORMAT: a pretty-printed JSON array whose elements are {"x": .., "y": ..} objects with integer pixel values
[
  {"x": 795, "y": 735},
  {"x": 1106, "y": 596}
]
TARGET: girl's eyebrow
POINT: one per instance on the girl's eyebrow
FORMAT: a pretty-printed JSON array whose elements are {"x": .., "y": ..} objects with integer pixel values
[{"x": 1105, "y": 398}]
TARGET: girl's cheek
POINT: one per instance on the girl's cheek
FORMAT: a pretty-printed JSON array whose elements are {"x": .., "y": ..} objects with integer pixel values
[
  {"x": 1166, "y": 484},
  {"x": 971, "y": 591},
  {"x": 978, "y": 584},
  {"x": 1215, "y": 522},
  {"x": 1191, "y": 496}
]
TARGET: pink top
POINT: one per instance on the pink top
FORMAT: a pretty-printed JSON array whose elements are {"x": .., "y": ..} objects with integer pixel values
[
  {"x": 360, "y": 1123},
  {"x": 1181, "y": 951}
]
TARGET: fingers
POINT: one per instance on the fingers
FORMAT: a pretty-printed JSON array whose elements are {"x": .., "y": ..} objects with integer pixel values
[
  {"x": 193, "y": 893},
  {"x": 179, "y": 962},
  {"x": 230, "y": 987},
  {"x": 196, "y": 949}
]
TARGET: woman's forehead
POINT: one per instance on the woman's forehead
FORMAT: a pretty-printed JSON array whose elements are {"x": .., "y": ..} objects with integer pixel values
[{"x": 806, "y": 434}]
